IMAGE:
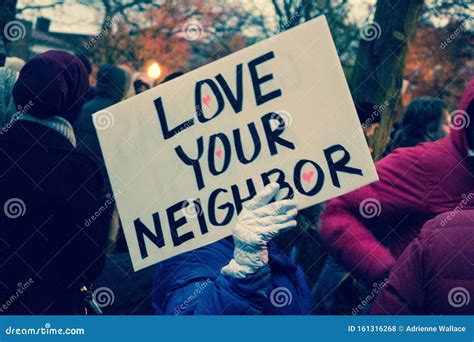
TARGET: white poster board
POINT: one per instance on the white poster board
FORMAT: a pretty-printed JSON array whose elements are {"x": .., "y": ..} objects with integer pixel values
[{"x": 183, "y": 156}]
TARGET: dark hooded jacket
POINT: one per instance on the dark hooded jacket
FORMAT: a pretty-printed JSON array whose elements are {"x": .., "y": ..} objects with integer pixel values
[
  {"x": 369, "y": 228},
  {"x": 112, "y": 85},
  {"x": 48, "y": 191}
]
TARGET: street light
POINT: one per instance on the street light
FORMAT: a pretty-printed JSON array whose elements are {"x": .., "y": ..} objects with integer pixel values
[{"x": 154, "y": 71}]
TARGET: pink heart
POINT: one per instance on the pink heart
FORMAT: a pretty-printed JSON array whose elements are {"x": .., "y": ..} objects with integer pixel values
[
  {"x": 206, "y": 100},
  {"x": 219, "y": 153},
  {"x": 307, "y": 176}
]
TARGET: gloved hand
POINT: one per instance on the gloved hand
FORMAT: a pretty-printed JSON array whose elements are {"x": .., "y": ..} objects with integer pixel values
[{"x": 257, "y": 224}]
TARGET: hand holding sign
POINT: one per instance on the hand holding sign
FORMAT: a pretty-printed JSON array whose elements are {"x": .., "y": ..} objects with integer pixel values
[
  {"x": 258, "y": 223},
  {"x": 190, "y": 153}
]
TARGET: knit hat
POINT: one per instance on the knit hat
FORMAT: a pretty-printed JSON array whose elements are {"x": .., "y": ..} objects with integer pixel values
[{"x": 55, "y": 82}]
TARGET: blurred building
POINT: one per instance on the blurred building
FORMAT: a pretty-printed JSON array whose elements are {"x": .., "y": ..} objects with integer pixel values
[{"x": 40, "y": 39}]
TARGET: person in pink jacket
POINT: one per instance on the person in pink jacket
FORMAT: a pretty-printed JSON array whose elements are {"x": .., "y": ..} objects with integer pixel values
[
  {"x": 367, "y": 229},
  {"x": 434, "y": 275}
]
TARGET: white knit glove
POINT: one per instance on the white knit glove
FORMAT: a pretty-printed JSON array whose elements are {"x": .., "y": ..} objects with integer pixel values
[{"x": 257, "y": 224}]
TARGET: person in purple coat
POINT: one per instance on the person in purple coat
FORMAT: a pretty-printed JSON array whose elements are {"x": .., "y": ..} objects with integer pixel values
[{"x": 434, "y": 275}]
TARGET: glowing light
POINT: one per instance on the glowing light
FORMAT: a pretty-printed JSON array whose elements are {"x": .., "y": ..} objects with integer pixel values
[{"x": 154, "y": 71}]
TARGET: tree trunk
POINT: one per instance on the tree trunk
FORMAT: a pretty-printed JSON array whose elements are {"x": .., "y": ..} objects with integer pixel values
[{"x": 378, "y": 72}]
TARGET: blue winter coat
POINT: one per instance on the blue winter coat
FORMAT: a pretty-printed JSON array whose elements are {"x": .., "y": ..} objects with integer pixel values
[{"x": 191, "y": 284}]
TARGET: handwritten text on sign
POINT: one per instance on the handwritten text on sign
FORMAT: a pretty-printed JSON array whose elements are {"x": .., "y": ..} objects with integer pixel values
[{"x": 186, "y": 155}]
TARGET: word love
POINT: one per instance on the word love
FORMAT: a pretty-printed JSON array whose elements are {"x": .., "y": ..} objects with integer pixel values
[{"x": 220, "y": 88}]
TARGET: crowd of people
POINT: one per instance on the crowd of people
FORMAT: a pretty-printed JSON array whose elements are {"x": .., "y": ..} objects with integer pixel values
[{"x": 415, "y": 250}]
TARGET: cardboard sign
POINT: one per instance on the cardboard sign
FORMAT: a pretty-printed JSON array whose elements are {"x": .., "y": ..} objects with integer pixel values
[{"x": 184, "y": 156}]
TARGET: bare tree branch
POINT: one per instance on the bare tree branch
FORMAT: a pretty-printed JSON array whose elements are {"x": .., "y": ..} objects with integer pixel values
[{"x": 39, "y": 7}]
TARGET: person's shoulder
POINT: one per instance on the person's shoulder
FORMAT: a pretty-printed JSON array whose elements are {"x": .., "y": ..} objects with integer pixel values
[
  {"x": 413, "y": 161},
  {"x": 82, "y": 162},
  {"x": 187, "y": 271},
  {"x": 80, "y": 158},
  {"x": 216, "y": 254},
  {"x": 450, "y": 225},
  {"x": 79, "y": 169},
  {"x": 406, "y": 154},
  {"x": 88, "y": 107},
  {"x": 84, "y": 121},
  {"x": 446, "y": 244},
  {"x": 204, "y": 261}
]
